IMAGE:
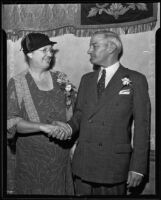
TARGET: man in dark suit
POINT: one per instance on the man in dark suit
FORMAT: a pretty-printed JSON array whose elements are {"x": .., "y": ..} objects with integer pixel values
[{"x": 109, "y": 101}]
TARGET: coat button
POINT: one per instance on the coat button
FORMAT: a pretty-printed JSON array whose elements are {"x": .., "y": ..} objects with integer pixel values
[{"x": 90, "y": 121}]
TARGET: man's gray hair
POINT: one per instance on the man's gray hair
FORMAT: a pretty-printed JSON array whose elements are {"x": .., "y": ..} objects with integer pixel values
[{"x": 112, "y": 37}]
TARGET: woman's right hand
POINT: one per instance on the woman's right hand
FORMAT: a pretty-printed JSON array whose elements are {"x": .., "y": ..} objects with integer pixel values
[
  {"x": 48, "y": 128},
  {"x": 57, "y": 130}
]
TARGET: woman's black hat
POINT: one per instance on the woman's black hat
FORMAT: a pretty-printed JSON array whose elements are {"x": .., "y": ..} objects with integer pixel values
[{"x": 34, "y": 41}]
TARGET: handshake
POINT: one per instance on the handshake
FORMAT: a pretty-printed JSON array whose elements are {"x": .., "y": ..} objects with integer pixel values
[{"x": 57, "y": 129}]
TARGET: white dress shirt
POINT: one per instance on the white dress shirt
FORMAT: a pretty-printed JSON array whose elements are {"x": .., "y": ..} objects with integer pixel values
[{"x": 110, "y": 71}]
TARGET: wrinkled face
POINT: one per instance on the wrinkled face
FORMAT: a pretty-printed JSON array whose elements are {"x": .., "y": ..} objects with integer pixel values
[
  {"x": 42, "y": 57},
  {"x": 98, "y": 50}
]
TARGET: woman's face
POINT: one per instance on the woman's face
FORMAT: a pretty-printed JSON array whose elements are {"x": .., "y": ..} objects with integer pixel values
[{"x": 42, "y": 57}]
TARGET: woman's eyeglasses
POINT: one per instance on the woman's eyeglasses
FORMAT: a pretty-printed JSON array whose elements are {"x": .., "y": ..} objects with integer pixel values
[{"x": 45, "y": 51}]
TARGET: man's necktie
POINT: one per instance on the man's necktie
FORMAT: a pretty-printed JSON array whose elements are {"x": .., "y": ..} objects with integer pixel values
[{"x": 101, "y": 83}]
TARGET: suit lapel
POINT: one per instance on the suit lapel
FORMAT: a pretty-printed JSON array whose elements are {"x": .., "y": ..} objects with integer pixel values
[
  {"x": 93, "y": 88},
  {"x": 113, "y": 87}
]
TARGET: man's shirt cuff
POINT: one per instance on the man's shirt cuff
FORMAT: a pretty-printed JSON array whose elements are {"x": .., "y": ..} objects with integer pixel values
[{"x": 138, "y": 173}]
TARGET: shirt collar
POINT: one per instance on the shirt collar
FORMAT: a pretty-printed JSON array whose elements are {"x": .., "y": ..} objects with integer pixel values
[{"x": 111, "y": 68}]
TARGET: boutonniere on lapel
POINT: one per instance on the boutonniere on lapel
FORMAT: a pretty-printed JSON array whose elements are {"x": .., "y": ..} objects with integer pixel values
[{"x": 126, "y": 81}]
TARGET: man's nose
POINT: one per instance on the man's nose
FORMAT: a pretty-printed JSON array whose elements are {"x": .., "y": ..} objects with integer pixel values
[{"x": 89, "y": 51}]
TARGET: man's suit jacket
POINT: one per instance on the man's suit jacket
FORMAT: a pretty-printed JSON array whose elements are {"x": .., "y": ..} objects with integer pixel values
[{"x": 104, "y": 153}]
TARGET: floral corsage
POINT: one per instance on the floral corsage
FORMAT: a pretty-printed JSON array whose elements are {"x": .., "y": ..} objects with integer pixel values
[
  {"x": 126, "y": 81},
  {"x": 68, "y": 88}
]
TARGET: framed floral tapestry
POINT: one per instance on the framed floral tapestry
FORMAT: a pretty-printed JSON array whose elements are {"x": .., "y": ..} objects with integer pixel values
[{"x": 78, "y": 19}]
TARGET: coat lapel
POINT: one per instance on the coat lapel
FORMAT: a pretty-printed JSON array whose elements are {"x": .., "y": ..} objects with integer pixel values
[
  {"x": 113, "y": 87},
  {"x": 93, "y": 88}
]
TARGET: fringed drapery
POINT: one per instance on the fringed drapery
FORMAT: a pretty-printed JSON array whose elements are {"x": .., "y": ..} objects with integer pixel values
[{"x": 78, "y": 19}]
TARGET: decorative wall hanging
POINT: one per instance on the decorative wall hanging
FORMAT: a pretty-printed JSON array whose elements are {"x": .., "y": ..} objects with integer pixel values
[{"x": 79, "y": 19}]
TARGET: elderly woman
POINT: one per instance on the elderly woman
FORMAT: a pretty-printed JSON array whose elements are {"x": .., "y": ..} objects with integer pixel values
[{"x": 36, "y": 99}]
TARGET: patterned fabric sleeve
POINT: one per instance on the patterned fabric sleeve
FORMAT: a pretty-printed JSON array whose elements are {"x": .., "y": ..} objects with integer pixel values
[{"x": 13, "y": 109}]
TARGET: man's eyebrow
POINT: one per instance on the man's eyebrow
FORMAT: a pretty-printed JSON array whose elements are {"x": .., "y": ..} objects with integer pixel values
[{"x": 93, "y": 43}]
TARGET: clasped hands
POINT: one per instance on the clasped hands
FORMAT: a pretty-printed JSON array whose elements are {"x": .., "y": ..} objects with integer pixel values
[{"x": 57, "y": 129}]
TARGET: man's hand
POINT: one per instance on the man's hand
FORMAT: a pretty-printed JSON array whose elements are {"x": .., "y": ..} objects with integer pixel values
[
  {"x": 134, "y": 179},
  {"x": 48, "y": 129},
  {"x": 63, "y": 131}
]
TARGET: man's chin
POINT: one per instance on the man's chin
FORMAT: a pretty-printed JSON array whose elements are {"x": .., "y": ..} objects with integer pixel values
[{"x": 91, "y": 60}]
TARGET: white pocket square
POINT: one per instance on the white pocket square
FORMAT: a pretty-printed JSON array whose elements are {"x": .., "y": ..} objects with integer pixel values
[{"x": 125, "y": 91}]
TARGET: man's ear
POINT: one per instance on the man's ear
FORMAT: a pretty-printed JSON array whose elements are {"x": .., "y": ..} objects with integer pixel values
[
  {"x": 111, "y": 47},
  {"x": 29, "y": 55}
]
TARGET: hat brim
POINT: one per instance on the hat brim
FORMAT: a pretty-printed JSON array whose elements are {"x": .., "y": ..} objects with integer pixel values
[
  {"x": 45, "y": 44},
  {"x": 53, "y": 42},
  {"x": 42, "y": 45}
]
